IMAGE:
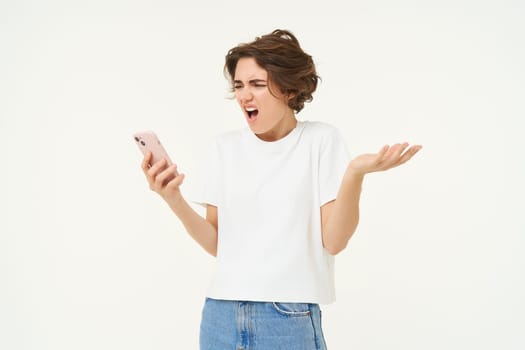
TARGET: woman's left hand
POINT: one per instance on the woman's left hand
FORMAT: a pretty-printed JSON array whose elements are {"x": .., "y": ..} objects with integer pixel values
[{"x": 388, "y": 157}]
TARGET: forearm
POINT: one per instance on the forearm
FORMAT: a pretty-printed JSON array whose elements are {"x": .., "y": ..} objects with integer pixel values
[
  {"x": 202, "y": 231},
  {"x": 344, "y": 216}
]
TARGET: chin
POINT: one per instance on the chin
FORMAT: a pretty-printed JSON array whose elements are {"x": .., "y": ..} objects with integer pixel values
[{"x": 255, "y": 129}]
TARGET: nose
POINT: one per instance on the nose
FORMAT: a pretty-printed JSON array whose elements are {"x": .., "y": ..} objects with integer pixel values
[{"x": 244, "y": 95}]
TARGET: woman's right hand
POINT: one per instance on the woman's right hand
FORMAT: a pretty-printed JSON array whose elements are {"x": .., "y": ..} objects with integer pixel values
[{"x": 163, "y": 179}]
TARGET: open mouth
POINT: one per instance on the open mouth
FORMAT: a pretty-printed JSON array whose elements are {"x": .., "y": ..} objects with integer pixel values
[{"x": 252, "y": 112}]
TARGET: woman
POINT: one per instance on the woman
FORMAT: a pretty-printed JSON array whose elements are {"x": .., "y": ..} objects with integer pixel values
[{"x": 286, "y": 195}]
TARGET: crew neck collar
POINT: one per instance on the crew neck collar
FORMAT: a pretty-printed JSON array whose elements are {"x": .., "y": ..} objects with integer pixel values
[{"x": 277, "y": 145}]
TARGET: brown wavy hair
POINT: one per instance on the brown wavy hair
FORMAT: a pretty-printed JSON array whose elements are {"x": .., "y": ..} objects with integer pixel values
[{"x": 289, "y": 68}]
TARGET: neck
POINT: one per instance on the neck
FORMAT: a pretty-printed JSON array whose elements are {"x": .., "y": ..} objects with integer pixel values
[{"x": 280, "y": 130}]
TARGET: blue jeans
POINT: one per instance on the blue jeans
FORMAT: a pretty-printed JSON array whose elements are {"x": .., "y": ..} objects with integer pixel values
[{"x": 250, "y": 325}]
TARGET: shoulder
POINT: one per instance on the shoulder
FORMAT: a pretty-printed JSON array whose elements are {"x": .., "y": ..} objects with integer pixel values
[
  {"x": 320, "y": 128},
  {"x": 226, "y": 141},
  {"x": 322, "y": 131},
  {"x": 327, "y": 138}
]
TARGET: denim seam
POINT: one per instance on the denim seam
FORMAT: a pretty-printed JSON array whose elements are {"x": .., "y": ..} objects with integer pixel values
[
  {"x": 251, "y": 326},
  {"x": 291, "y": 313},
  {"x": 316, "y": 336},
  {"x": 321, "y": 328}
]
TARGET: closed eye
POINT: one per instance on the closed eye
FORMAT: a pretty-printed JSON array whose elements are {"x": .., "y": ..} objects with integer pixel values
[
  {"x": 258, "y": 82},
  {"x": 237, "y": 84}
]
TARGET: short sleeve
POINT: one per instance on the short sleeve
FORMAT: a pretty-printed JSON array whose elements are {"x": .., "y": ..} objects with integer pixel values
[
  {"x": 207, "y": 187},
  {"x": 333, "y": 161}
]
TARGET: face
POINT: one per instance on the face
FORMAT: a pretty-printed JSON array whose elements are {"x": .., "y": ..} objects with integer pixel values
[{"x": 267, "y": 115}]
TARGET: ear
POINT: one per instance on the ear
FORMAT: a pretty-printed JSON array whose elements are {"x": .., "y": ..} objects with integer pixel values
[{"x": 290, "y": 96}]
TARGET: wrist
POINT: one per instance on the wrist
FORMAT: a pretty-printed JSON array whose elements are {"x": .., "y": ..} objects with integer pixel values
[
  {"x": 175, "y": 201},
  {"x": 353, "y": 174}
]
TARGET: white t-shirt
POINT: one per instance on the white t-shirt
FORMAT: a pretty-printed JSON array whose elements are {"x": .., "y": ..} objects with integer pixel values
[{"x": 269, "y": 196}]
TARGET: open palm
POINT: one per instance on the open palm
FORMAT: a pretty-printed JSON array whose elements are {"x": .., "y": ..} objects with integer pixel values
[{"x": 388, "y": 157}]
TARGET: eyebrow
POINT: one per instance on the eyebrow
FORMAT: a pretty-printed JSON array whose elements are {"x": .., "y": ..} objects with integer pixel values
[{"x": 251, "y": 81}]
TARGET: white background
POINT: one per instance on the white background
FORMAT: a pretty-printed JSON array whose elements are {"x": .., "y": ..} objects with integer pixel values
[{"x": 90, "y": 258}]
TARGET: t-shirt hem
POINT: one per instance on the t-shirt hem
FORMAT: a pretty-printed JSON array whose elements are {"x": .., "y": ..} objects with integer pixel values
[
  {"x": 202, "y": 203},
  {"x": 278, "y": 299}
]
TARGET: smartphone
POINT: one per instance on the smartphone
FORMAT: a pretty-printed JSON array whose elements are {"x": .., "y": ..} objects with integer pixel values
[{"x": 148, "y": 141}]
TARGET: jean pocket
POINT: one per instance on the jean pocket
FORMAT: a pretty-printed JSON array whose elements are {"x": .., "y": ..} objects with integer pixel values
[{"x": 292, "y": 309}]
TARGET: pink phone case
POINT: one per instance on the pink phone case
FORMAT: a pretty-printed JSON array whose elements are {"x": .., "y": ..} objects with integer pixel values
[{"x": 148, "y": 141}]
